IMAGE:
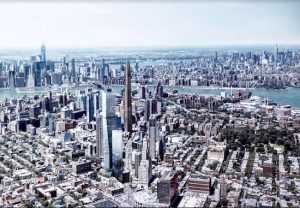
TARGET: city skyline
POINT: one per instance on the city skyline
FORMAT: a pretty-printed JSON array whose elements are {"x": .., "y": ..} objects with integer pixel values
[
  {"x": 139, "y": 104},
  {"x": 88, "y": 25}
]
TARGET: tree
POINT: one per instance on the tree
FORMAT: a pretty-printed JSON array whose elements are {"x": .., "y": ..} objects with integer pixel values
[
  {"x": 260, "y": 149},
  {"x": 288, "y": 145},
  {"x": 223, "y": 203},
  {"x": 213, "y": 165}
]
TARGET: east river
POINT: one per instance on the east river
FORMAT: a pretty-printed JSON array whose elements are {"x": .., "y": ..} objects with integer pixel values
[{"x": 289, "y": 96}]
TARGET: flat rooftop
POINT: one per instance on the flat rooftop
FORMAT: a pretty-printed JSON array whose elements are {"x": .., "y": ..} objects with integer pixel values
[{"x": 168, "y": 175}]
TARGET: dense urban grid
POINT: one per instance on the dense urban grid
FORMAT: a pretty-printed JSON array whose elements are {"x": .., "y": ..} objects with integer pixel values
[
  {"x": 269, "y": 69},
  {"x": 86, "y": 144}
]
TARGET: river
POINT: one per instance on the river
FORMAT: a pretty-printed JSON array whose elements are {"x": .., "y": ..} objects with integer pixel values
[{"x": 289, "y": 96}]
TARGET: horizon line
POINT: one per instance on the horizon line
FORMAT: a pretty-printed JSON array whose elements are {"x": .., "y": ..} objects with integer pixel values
[
  {"x": 145, "y": 1},
  {"x": 149, "y": 47}
]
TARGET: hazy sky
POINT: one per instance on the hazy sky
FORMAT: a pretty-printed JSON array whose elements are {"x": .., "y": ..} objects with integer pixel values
[{"x": 136, "y": 24}]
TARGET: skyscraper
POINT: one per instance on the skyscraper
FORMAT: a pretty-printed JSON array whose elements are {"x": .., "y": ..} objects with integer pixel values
[
  {"x": 19, "y": 106},
  {"x": 108, "y": 125},
  {"x": 276, "y": 54},
  {"x": 159, "y": 90},
  {"x": 11, "y": 78},
  {"x": 96, "y": 103},
  {"x": 161, "y": 148},
  {"x": 99, "y": 136},
  {"x": 127, "y": 100},
  {"x": 216, "y": 56},
  {"x": 159, "y": 107},
  {"x": 153, "y": 106},
  {"x": 143, "y": 92},
  {"x": 108, "y": 104},
  {"x": 52, "y": 125},
  {"x": 50, "y": 96},
  {"x": 153, "y": 132},
  {"x": 147, "y": 110},
  {"x": 167, "y": 187},
  {"x": 128, "y": 156},
  {"x": 90, "y": 107},
  {"x": 31, "y": 81},
  {"x": 117, "y": 153},
  {"x": 101, "y": 70},
  {"x": 137, "y": 162},
  {"x": 64, "y": 61},
  {"x": 73, "y": 72},
  {"x": 81, "y": 100},
  {"x": 136, "y": 66},
  {"x": 43, "y": 53},
  {"x": 38, "y": 72},
  {"x": 145, "y": 169}
]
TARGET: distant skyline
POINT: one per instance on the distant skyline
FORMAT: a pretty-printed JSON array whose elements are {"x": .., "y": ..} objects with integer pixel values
[{"x": 134, "y": 24}]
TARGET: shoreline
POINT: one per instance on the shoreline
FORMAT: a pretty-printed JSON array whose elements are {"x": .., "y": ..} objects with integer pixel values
[
  {"x": 227, "y": 88},
  {"x": 279, "y": 96},
  {"x": 150, "y": 85},
  {"x": 209, "y": 87}
]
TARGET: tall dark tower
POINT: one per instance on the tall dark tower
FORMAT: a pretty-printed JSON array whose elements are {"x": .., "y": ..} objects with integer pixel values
[
  {"x": 99, "y": 135},
  {"x": 73, "y": 72},
  {"x": 276, "y": 54},
  {"x": 127, "y": 100}
]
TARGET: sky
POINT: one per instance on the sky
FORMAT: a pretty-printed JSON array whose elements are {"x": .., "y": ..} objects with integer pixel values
[{"x": 148, "y": 24}]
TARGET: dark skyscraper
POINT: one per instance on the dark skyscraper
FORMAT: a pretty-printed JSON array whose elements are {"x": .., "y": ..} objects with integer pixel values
[
  {"x": 143, "y": 92},
  {"x": 276, "y": 54},
  {"x": 160, "y": 90},
  {"x": 73, "y": 72},
  {"x": 99, "y": 137},
  {"x": 38, "y": 73},
  {"x": 90, "y": 107},
  {"x": 102, "y": 70},
  {"x": 147, "y": 110},
  {"x": 127, "y": 100}
]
